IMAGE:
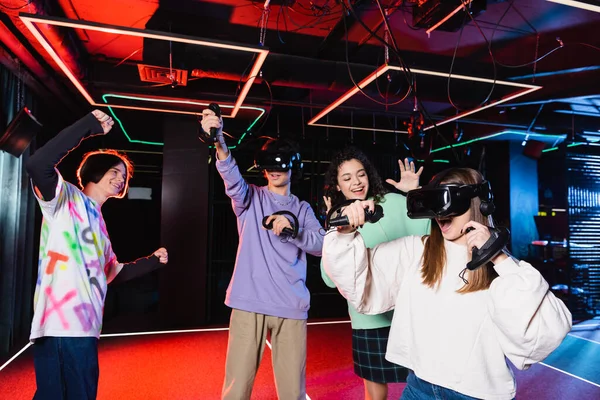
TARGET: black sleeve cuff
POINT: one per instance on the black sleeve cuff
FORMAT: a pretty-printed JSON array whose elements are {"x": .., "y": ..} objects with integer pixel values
[{"x": 137, "y": 268}]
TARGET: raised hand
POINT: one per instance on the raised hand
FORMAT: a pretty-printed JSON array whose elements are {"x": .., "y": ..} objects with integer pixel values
[
  {"x": 163, "y": 255},
  {"x": 327, "y": 201},
  {"x": 409, "y": 179},
  {"x": 106, "y": 121},
  {"x": 210, "y": 120}
]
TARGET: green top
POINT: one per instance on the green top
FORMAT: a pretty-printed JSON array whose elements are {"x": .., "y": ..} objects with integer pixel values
[{"x": 394, "y": 224}]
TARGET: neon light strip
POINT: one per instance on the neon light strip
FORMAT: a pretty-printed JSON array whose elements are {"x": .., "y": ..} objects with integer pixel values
[
  {"x": 569, "y": 145},
  {"x": 253, "y": 74},
  {"x": 583, "y": 338},
  {"x": 359, "y": 128},
  {"x": 107, "y": 335},
  {"x": 478, "y": 109},
  {"x": 385, "y": 67},
  {"x": 467, "y": 78},
  {"x": 144, "y": 33},
  {"x": 586, "y": 114},
  {"x": 586, "y": 326},
  {"x": 457, "y": 9},
  {"x": 30, "y": 19},
  {"x": 202, "y": 330},
  {"x": 38, "y": 35},
  {"x": 15, "y": 356},
  {"x": 262, "y": 112},
  {"x": 374, "y": 75},
  {"x": 578, "y": 4},
  {"x": 506, "y": 132},
  {"x": 170, "y": 101},
  {"x": 555, "y": 73},
  {"x": 570, "y": 374}
]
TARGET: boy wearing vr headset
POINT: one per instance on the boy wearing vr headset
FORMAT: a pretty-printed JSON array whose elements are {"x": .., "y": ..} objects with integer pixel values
[
  {"x": 267, "y": 291},
  {"x": 453, "y": 326}
]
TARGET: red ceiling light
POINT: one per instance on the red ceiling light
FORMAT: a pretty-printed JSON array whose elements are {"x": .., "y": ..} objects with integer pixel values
[
  {"x": 523, "y": 90},
  {"x": 441, "y": 22},
  {"x": 30, "y": 21}
]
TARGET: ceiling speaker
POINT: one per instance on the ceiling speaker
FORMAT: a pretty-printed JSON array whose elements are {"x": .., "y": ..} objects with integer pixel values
[
  {"x": 533, "y": 149},
  {"x": 19, "y": 134}
]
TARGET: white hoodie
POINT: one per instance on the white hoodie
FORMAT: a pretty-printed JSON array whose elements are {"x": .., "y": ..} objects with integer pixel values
[{"x": 457, "y": 341}]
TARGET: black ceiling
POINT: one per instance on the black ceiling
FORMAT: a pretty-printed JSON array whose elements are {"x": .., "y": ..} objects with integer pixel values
[{"x": 311, "y": 62}]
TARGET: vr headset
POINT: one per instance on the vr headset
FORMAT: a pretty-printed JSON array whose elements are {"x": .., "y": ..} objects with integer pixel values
[
  {"x": 448, "y": 200},
  {"x": 279, "y": 162}
]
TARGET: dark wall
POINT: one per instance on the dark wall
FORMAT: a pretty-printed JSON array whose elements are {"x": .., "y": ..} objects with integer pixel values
[
  {"x": 552, "y": 183},
  {"x": 191, "y": 216},
  {"x": 496, "y": 171},
  {"x": 134, "y": 229},
  {"x": 184, "y": 224}
]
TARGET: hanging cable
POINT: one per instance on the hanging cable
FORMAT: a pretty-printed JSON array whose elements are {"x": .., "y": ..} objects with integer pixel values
[
  {"x": 20, "y": 87},
  {"x": 264, "y": 19},
  {"x": 386, "y": 104},
  {"x": 405, "y": 68}
]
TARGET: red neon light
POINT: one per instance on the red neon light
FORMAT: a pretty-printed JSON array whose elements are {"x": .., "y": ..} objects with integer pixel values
[
  {"x": 457, "y": 9},
  {"x": 374, "y": 75},
  {"x": 478, "y": 109},
  {"x": 30, "y": 20},
  {"x": 526, "y": 89}
]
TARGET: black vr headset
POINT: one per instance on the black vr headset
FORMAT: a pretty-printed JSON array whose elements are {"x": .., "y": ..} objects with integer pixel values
[
  {"x": 280, "y": 162},
  {"x": 448, "y": 200},
  {"x": 452, "y": 199},
  {"x": 275, "y": 156}
]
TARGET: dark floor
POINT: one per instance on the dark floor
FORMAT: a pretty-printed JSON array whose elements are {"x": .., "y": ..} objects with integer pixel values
[{"x": 189, "y": 365}]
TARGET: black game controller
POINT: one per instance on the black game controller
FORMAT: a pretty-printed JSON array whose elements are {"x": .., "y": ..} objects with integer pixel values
[
  {"x": 211, "y": 136},
  {"x": 490, "y": 249},
  {"x": 370, "y": 216},
  {"x": 291, "y": 232}
]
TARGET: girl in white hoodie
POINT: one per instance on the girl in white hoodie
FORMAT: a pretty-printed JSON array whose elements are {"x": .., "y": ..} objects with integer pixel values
[{"x": 453, "y": 328}]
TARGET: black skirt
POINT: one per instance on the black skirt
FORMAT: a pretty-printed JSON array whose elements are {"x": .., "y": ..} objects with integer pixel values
[{"x": 368, "y": 353}]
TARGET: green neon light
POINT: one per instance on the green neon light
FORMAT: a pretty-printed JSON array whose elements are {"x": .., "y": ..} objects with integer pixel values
[
  {"x": 262, "y": 112},
  {"x": 569, "y": 145},
  {"x": 437, "y": 161},
  {"x": 506, "y": 132}
]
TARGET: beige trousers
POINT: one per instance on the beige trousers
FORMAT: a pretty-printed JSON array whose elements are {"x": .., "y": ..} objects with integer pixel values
[{"x": 247, "y": 335}]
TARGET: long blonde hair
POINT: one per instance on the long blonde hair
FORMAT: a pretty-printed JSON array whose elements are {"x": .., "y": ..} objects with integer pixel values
[{"x": 434, "y": 255}]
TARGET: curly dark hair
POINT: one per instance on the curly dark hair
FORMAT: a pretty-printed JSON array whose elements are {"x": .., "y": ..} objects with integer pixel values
[{"x": 376, "y": 188}]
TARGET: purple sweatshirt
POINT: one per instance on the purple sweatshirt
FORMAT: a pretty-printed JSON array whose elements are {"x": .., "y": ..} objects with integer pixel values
[{"x": 270, "y": 271}]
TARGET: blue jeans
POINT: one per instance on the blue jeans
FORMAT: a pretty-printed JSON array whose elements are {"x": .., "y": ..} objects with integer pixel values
[
  {"x": 66, "y": 368},
  {"x": 418, "y": 389}
]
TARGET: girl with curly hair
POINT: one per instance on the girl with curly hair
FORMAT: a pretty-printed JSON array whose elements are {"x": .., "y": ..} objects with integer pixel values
[{"x": 352, "y": 176}]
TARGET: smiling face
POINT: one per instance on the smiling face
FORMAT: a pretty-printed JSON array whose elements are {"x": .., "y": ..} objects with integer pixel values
[
  {"x": 278, "y": 178},
  {"x": 113, "y": 181},
  {"x": 352, "y": 180},
  {"x": 451, "y": 227}
]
